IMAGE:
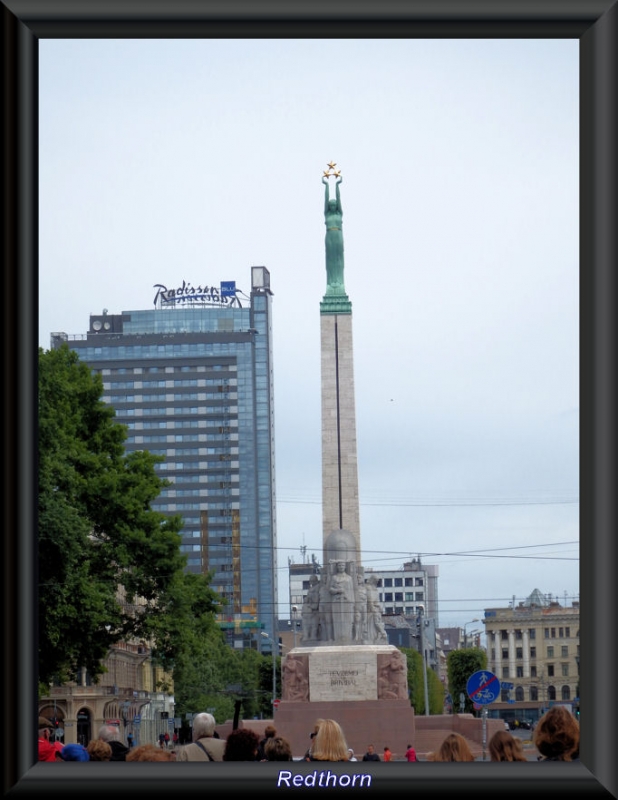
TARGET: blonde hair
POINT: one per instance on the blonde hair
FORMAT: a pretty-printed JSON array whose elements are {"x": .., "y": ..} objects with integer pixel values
[
  {"x": 504, "y": 746},
  {"x": 329, "y": 743},
  {"x": 453, "y": 748}
]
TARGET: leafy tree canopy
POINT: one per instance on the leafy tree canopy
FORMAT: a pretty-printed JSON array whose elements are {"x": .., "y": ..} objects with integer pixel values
[
  {"x": 416, "y": 684},
  {"x": 110, "y": 568},
  {"x": 461, "y": 664}
]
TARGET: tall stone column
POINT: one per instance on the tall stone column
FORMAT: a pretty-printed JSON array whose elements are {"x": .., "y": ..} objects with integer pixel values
[
  {"x": 512, "y": 670},
  {"x": 526, "y": 653},
  {"x": 340, "y": 505}
]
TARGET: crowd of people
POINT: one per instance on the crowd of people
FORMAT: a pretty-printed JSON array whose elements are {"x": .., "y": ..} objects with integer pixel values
[{"x": 556, "y": 738}]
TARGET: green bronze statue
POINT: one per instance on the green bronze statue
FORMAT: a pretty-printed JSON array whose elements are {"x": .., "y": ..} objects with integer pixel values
[{"x": 333, "y": 215}]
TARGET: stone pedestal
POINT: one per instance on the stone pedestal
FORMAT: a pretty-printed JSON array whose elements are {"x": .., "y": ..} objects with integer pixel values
[
  {"x": 377, "y": 722},
  {"x": 363, "y": 687}
]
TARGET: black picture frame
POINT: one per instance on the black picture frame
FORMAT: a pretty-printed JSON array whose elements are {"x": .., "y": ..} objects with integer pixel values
[{"x": 595, "y": 24}]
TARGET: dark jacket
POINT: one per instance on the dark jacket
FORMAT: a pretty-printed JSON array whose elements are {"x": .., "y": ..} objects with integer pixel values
[
  {"x": 371, "y": 757},
  {"x": 119, "y": 751}
]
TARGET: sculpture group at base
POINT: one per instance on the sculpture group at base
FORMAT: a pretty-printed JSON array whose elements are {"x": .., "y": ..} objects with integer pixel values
[{"x": 341, "y": 607}]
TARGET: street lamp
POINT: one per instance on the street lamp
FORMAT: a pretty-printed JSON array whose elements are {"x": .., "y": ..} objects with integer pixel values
[
  {"x": 274, "y": 653},
  {"x": 466, "y": 631}
]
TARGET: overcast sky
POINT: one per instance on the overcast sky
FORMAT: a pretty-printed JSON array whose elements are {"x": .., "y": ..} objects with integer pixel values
[{"x": 163, "y": 161}]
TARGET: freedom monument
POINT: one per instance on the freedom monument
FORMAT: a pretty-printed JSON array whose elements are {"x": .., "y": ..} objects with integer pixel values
[{"x": 344, "y": 667}]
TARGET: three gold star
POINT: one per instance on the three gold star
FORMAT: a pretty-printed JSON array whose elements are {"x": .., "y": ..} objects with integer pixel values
[{"x": 331, "y": 171}]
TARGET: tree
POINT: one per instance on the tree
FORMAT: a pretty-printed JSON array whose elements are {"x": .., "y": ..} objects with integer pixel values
[
  {"x": 110, "y": 568},
  {"x": 461, "y": 664},
  {"x": 416, "y": 684}
]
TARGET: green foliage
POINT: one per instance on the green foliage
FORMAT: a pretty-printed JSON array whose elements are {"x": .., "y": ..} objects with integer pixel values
[
  {"x": 218, "y": 675},
  {"x": 461, "y": 664},
  {"x": 416, "y": 685},
  {"x": 98, "y": 535}
]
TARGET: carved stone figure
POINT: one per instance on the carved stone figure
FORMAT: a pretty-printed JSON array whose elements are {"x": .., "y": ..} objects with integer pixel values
[
  {"x": 392, "y": 677},
  {"x": 325, "y": 616},
  {"x": 310, "y": 612},
  {"x": 360, "y": 610},
  {"x": 341, "y": 588},
  {"x": 376, "y": 632},
  {"x": 295, "y": 679}
]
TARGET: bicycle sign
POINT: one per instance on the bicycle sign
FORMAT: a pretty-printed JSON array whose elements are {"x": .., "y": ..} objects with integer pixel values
[{"x": 483, "y": 687}]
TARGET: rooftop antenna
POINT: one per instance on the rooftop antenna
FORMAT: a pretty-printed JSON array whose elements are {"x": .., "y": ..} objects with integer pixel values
[{"x": 303, "y": 550}]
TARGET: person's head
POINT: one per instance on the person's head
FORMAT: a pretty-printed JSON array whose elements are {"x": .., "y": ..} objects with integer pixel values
[
  {"x": 241, "y": 745},
  {"x": 46, "y": 729},
  {"x": 329, "y": 743},
  {"x": 99, "y": 750},
  {"x": 453, "y": 748},
  {"x": 340, "y": 566},
  {"x": 74, "y": 752},
  {"x": 150, "y": 752},
  {"x": 371, "y": 749},
  {"x": 504, "y": 746},
  {"x": 109, "y": 733},
  {"x": 270, "y": 731},
  {"x": 386, "y": 747},
  {"x": 557, "y": 734},
  {"x": 350, "y": 753},
  {"x": 278, "y": 749},
  {"x": 203, "y": 725}
]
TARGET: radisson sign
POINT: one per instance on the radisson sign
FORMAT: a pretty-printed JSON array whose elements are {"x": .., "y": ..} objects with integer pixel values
[{"x": 226, "y": 294}]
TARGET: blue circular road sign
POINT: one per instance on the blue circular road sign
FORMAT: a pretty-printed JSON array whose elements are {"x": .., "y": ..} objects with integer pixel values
[{"x": 483, "y": 687}]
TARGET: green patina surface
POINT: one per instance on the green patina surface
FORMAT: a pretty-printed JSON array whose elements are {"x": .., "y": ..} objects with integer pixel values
[{"x": 335, "y": 300}]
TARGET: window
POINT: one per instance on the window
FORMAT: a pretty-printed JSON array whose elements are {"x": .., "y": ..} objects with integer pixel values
[
  {"x": 520, "y": 674},
  {"x": 419, "y": 596},
  {"x": 518, "y": 634},
  {"x": 388, "y": 597},
  {"x": 505, "y": 652},
  {"x": 418, "y": 582},
  {"x": 565, "y": 670},
  {"x": 567, "y": 633},
  {"x": 519, "y": 652},
  {"x": 547, "y": 633},
  {"x": 560, "y": 633},
  {"x": 399, "y": 598},
  {"x": 550, "y": 670},
  {"x": 533, "y": 652},
  {"x": 519, "y": 693},
  {"x": 504, "y": 634},
  {"x": 550, "y": 652},
  {"x": 533, "y": 672},
  {"x": 388, "y": 581},
  {"x": 398, "y": 581},
  {"x": 505, "y": 672},
  {"x": 566, "y": 692},
  {"x": 532, "y": 633},
  {"x": 564, "y": 651},
  {"x": 553, "y": 633},
  {"x": 534, "y": 693}
]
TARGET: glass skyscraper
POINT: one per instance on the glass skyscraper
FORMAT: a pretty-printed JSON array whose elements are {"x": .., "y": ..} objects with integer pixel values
[{"x": 192, "y": 379}]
